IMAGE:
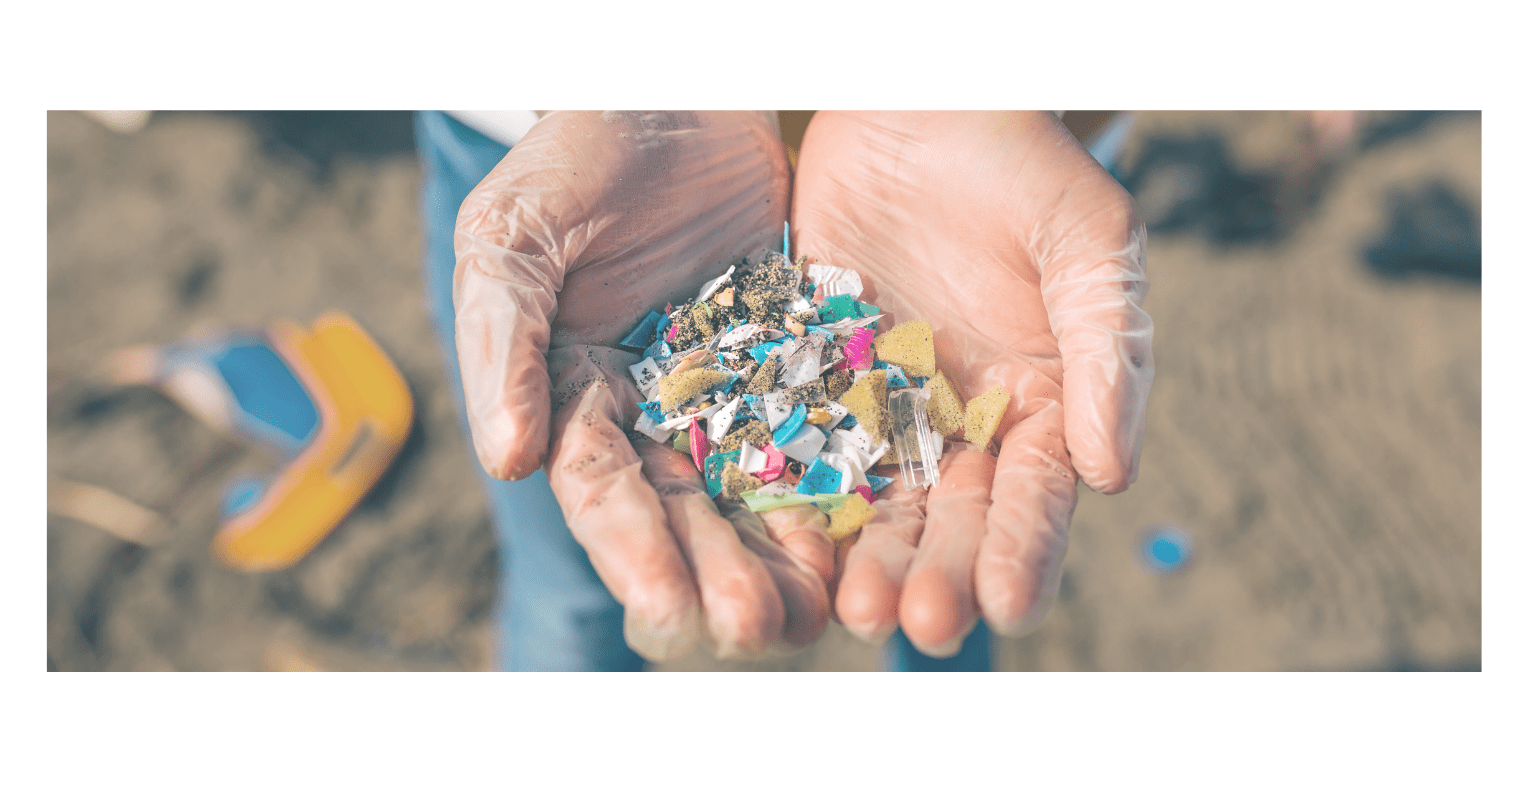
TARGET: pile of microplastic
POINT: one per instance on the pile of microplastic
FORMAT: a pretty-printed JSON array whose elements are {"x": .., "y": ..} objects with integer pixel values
[{"x": 774, "y": 381}]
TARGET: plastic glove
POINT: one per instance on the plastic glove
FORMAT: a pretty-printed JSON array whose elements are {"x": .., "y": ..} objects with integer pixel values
[
  {"x": 1027, "y": 259},
  {"x": 591, "y": 221}
]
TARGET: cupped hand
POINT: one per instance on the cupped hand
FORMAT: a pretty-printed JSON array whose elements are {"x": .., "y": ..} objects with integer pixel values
[
  {"x": 1027, "y": 259},
  {"x": 591, "y": 221}
]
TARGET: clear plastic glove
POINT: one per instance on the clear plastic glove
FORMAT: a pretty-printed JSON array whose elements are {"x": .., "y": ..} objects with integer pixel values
[
  {"x": 591, "y": 221},
  {"x": 1027, "y": 259}
]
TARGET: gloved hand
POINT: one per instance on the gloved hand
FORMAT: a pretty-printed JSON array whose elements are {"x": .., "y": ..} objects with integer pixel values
[
  {"x": 1027, "y": 259},
  {"x": 591, "y": 221}
]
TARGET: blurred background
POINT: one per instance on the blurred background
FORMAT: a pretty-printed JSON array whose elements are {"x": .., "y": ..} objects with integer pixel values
[{"x": 1309, "y": 494}]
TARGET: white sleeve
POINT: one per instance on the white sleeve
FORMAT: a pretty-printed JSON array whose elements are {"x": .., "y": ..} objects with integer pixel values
[{"x": 506, "y": 127}]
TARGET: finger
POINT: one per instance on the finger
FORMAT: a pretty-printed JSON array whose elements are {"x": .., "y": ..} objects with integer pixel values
[
  {"x": 938, "y": 606},
  {"x": 869, "y": 589},
  {"x": 615, "y": 514},
  {"x": 806, "y": 607},
  {"x": 1093, "y": 284},
  {"x": 743, "y": 613},
  {"x": 1019, "y": 563},
  {"x": 802, "y": 532}
]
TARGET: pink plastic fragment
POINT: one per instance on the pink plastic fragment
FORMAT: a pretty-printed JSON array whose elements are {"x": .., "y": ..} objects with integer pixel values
[
  {"x": 698, "y": 443},
  {"x": 864, "y": 491},
  {"x": 776, "y": 465},
  {"x": 860, "y": 354},
  {"x": 672, "y": 332}
]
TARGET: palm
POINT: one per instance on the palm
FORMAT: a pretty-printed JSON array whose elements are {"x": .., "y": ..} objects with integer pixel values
[
  {"x": 960, "y": 220},
  {"x": 590, "y": 222}
]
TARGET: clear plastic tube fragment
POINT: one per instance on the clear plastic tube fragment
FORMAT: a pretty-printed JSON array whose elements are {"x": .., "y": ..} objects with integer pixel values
[{"x": 911, "y": 436}]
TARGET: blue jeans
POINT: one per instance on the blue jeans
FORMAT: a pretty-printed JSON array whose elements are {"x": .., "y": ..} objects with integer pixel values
[{"x": 552, "y": 611}]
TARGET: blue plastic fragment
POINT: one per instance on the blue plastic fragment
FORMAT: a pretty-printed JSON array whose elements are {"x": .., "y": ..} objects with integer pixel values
[
  {"x": 641, "y": 337},
  {"x": 753, "y": 406},
  {"x": 787, "y": 240},
  {"x": 895, "y": 377},
  {"x": 761, "y": 352},
  {"x": 877, "y": 482},
  {"x": 786, "y": 433},
  {"x": 1166, "y": 549},
  {"x": 847, "y": 423},
  {"x": 792, "y": 422},
  {"x": 659, "y": 350},
  {"x": 653, "y": 409},
  {"x": 820, "y": 479}
]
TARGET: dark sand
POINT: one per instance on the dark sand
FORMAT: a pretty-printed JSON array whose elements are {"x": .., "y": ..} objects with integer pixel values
[{"x": 1314, "y": 425}]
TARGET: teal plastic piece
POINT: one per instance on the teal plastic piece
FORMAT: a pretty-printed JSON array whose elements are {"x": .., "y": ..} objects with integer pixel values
[
  {"x": 791, "y": 426},
  {"x": 714, "y": 466},
  {"x": 820, "y": 479}
]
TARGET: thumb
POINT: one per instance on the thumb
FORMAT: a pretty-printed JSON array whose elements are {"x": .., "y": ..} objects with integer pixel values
[
  {"x": 504, "y": 300},
  {"x": 1093, "y": 289}
]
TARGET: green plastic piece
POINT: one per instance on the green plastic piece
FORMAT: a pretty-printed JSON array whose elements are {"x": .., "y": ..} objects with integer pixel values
[{"x": 759, "y": 503}]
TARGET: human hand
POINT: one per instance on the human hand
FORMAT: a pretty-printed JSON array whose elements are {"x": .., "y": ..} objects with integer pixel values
[
  {"x": 591, "y": 221},
  {"x": 1027, "y": 259}
]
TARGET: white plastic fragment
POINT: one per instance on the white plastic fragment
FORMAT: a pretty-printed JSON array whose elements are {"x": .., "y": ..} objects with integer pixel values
[
  {"x": 748, "y": 335},
  {"x": 804, "y": 364},
  {"x": 752, "y": 459},
  {"x": 721, "y": 419},
  {"x": 838, "y": 411},
  {"x": 711, "y": 285},
  {"x": 834, "y": 281},
  {"x": 858, "y": 445},
  {"x": 797, "y": 305},
  {"x": 805, "y": 444},
  {"x": 848, "y": 467},
  {"x": 651, "y": 428},
  {"x": 776, "y": 409},
  {"x": 681, "y": 422},
  {"x": 648, "y": 377}
]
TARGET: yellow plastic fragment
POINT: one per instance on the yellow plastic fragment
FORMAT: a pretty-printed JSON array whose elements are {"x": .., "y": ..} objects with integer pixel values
[
  {"x": 946, "y": 411},
  {"x": 849, "y": 517},
  {"x": 866, "y": 400},
  {"x": 909, "y": 346},
  {"x": 983, "y": 414}
]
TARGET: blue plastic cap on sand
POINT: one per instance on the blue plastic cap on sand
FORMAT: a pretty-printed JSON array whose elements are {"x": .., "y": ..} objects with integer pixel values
[{"x": 1166, "y": 549}]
